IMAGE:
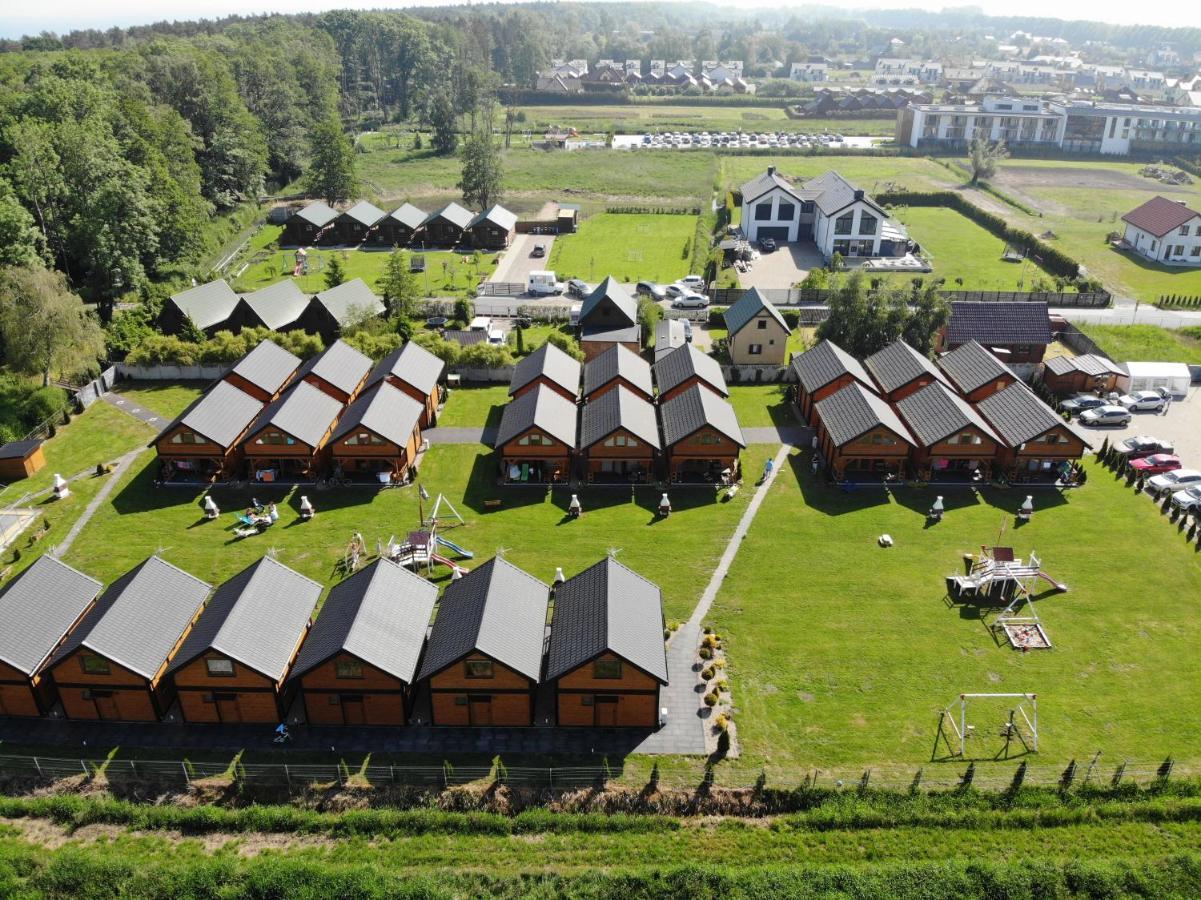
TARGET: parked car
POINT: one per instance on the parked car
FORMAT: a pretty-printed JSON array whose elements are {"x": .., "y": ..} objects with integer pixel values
[
  {"x": 1174, "y": 481},
  {"x": 578, "y": 288},
  {"x": 1106, "y": 415},
  {"x": 767, "y": 245},
  {"x": 1163, "y": 392},
  {"x": 677, "y": 289},
  {"x": 1156, "y": 464},
  {"x": 1078, "y": 404},
  {"x": 1188, "y": 499},
  {"x": 690, "y": 300},
  {"x": 1142, "y": 401},
  {"x": 651, "y": 289},
  {"x": 539, "y": 250},
  {"x": 696, "y": 282},
  {"x": 1142, "y": 445}
]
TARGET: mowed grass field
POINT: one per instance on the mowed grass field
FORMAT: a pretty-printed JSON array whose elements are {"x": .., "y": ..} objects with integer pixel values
[
  {"x": 628, "y": 246},
  {"x": 650, "y": 117},
  {"x": 842, "y": 653},
  {"x": 1147, "y": 343},
  {"x": 873, "y": 174}
]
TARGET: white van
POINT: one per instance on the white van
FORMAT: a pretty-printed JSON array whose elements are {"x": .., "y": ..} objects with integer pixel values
[{"x": 543, "y": 283}]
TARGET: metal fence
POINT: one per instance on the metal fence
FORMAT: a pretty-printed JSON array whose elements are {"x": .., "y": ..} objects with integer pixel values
[
  {"x": 1079, "y": 342},
  {"x": 816, "y": 296},
  {"x": 502, "y": 289}
]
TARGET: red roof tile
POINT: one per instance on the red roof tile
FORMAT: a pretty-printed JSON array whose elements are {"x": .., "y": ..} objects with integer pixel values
[{"x": 1159, "y": 215}]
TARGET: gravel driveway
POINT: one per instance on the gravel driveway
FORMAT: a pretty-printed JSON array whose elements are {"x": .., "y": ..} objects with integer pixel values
[
  {"x": 1181, "y": 425},
  {"x": 517, "y": 263}
]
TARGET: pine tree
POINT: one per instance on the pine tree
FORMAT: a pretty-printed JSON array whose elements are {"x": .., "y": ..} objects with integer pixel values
[
  {"x": 398, "y": 285},
  {"x": 335, "y": 272}
]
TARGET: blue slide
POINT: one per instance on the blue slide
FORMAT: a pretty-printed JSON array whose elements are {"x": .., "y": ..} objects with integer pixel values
[{"x": 466, "y": 554}]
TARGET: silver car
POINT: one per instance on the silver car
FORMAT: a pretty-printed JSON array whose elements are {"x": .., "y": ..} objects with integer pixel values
[
  {"x": 1187, "y": 499},
  {"x": 1106, "y": 415},
  {"x": 1174, "y": 481},
  {"x": 690, "y": 300},
  {"x": 1142, "y": 401}
]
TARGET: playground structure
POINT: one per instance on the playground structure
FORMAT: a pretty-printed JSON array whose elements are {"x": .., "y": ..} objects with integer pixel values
[
  {"x": 998, "y": 575},
  {"x": 420, "y": 548},
  {"x": 1020, "y": 725}
]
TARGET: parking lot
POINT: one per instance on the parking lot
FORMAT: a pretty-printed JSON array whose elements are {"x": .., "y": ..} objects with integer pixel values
[
  {"x": 516, "y": 264},
  {"x": 1180, "y": 425},
  {"x": 783, "y": 267}
]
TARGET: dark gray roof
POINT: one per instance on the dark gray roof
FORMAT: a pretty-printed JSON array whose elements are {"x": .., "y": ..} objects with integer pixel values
[
  {"x": 498, "y": 216},
  {"x": 350, "y": 301},
  {"x": 541, "y": 408},
  {"x": 207, "y": 304},
  {"x": 256, "y": 618},
  {"x": 618, "y": 361},
  {"x": 278, "y": 305},
  {"x": 379, "y": 614},
  {"x": 409, "y": 216},
  {"x": 497, "y": 610},
  {"x": 970, "y": 366},
  {"x": 304, "y": 411},
  {"x": 338, "y": 364},
  {"x": 613, "y": 291},
  {"x": 18, "y": 449},
  {"x": 1089, "y": 363},
  {"x": 412, "y": 364},
  {"x": 1003, "y": 324},
  {"x": 1018, "y": 416},
  {"x": 138, "y": 621},
  {"x": 452, "y": 213},
  {"x": 853, "y": 411},
  {"x": 688, "y": 412},
  {"x": 825, "y": 362},
  {"x": 618, "y": 408},
  {"x": 38, "y": 608},
  {"x": 747, "y": 307},
  {"x": 551, "y": 362},
  {"x": 319, "y": 213},
  {"x": 669, "y": 334},
  {"x": 768, "y": 180},
  {"x": 898, "y": 364},
  {"x": 607, "y": 608},
  {"x": 935, "y": 412},
  {"x": 388, "y": 411},
  {"x": 684, "y": 362},
  {"x": 221, "y": 414},
  {"x": 833, "y": 192},
  {"x": 267, "y": 366},
  {"x": 464, "y": 338},
  {"x": 365, "y": 213},
  {"x": 623, "y": 334}
]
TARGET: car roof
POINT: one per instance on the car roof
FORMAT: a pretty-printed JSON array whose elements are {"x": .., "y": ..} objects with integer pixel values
[{"x": 1184, "y": 473}]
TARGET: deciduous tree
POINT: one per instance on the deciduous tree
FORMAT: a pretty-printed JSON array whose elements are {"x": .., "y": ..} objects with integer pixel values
[
  {"x": 331, "y": 174},
  {"x": 984, "y": 156},
  {"x": 45, "y": 328}
]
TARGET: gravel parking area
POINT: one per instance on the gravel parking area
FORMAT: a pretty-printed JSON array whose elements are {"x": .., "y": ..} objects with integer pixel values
[
  {"x": 517, "y": 263},
  {"x": 1181, "y": 425},
  {"x": 783, "y": 267}
]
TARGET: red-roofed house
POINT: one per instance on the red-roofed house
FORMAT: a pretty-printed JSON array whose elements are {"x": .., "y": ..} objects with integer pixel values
[{"x": 1166, "y": 231}]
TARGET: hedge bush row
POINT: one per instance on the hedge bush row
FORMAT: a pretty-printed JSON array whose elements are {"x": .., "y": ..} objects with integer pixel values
[
  {"x": 654, "y": 210},
  {"x": 1052, "y": 259}
]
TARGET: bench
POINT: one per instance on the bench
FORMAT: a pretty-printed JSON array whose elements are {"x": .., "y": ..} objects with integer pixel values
[{"x": 492, "y": 504}]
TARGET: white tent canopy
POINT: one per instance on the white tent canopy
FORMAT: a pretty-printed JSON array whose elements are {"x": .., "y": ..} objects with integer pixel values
[{"x": 1145, "y": 376}]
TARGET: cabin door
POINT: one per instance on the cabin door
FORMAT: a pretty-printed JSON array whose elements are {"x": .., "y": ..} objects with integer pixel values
[
  {"x": 604, "y": 711},
  {"x": 353, "y": 710},
  {"x": 480, "y": 710},
  {"x": 227, "y": 707},
  {"x": 105, "y": 703}
]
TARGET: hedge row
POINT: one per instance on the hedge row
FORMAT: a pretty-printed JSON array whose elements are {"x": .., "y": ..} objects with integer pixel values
[{"x": 1050, "y": 258}]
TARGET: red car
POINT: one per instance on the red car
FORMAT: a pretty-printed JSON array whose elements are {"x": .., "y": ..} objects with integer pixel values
[{"x": 1155, "y": 464}]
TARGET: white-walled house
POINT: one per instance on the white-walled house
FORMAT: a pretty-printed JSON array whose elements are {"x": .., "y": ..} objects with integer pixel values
[
  {"x": 1165, "y": 231},
  {"x": 828, "y": 210}
]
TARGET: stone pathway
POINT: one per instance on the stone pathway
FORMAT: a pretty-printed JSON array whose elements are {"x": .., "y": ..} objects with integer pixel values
[
  {"x": 153, "y": 419},
  {"x": 118, "y": 468},
  {"x": 796, "y": 435},
  {"x": 460, "y": 435}
]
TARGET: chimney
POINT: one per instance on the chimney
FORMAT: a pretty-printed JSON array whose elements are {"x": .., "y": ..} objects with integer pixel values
[
  {"x": 858, "y": 195},
  {"x": 771, "y": 170}
]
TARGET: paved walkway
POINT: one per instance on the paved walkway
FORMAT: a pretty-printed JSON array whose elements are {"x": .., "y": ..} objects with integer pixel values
[
  {"x": 796, "y": 435},
  {"x": 118, "y": 468},
  {"x": 154, "y": 420},
  {"x": 441, "y": 435}
]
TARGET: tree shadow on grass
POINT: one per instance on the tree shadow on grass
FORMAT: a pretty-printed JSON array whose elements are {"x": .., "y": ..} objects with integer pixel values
[
  {"x": 954, "y": 497},
  {"x": 482, "y": 487}
]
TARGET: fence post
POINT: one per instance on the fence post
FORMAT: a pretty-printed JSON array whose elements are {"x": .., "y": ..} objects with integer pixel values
[
  {"x": 37, "y": 765},
  {"x": 184, "y": 765},
  {"x": 83, "y": 765},
  {"x": 288, "y": 774}
]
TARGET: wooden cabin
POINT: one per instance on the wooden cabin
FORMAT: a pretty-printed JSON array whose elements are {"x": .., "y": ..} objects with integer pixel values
[
  {"x": 378, "y": 437},
  {"x": 859, "y": 435},
  {"x": 328, "y": 312},
  {"x": 231, "y": 666},
  {"x": 756, "y": 333},
  {"x": 685, "y": 368},
  {"x": 447, "y": 226},
  {"x": 418, "y": 373},
  {"x": 547, "y": 367},
  {"x": 400, "y": 227},
  {"x": 207, "y": 307},
  {"x": 493, "y": 229},
  {"x": 1089, "y": 372},
  {"x": 1037, "y": 443},
  {"x": 619, "y": 438},
  {"x": 951, "y": 440},
  {"x": 537, "y": 437},
  {"x": 1014, "y": 332},
  {"x": 310, "y": 225},
  {"x": 205, "y": 443},
  {"x": 609, "y": 317},
  {"x": 821, "y": 371},
  {"x": 339, "y": 371},
  {"x": 701, "y": 437},
  {"x": 264, "y": 371},
  {"x": 113, "y": 663},
  {"x": 20, "y": 459},
  {"x": 359, "y": 661},
  {"x": 606, "y": 656},
  {"x": 618, "y": 367},
  {"x": 38, "y": 609},
  {"x": 898, "y": 370},
  {"x": 287, "y": 442},
  {"x": 975, "y": 372},
  {"x": 484, "y": 657},
  {"x": 278, "y": 306},
  {"x": 357, "y": 225}
]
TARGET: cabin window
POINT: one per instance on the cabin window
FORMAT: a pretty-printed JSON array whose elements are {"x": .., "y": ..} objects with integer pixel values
[
  {"x": 708, "y": 438},
  {"x": 878, "y": 439},
  {"x": 586, "y": 700},
  {"x": 763, "y": 212},
  {"x": 187, "y": 437},
  {"x": 1054, "y": 438},
  {"x": 535, "y": 440},
  {"x": 348, "y": 668},
  {"x": 219, "y": 667},
  {"x": 94, "y": 665},
  {"x": 965, "y": 438},
  {"x": 842, "y": 225},
  {"x": 755, "y": 349},
  {"x": 867, "y": 224},
  {"x": 478, "y": 668},
  {"x": 807, "y": 207},
  {"x": 761, "y": 324},
  {"x": 606, "y": 668},
  {"x": 786, "y": 211},
  {"x": 620, "y": 440},
  {"x": 275, "y": 438},
  {"x": 364, "y": 439}
]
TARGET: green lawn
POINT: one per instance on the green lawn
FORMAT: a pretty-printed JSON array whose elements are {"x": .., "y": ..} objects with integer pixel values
[
  {"x": 1147, "y": 343},
  {"x": 531, "y": 527},
  {"x": 629, "y": 247},
  {"x": 761, "y": 405},
  {"x": 474, "y": 407},
  {"x": 166, "y": 398},
  {"x": 843, "y": 654},
  {"x": 873, "y": 174},
  {"x": 631, "y": 118}
]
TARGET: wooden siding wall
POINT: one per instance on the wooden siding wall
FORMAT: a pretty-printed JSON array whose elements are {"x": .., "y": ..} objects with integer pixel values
[
  {"x": 545, "y": 382},
  {"x": 807, "y": 401},
  {"x": 593, "y": 349},
  {"x": 17, "y": 695},
  {"x": 615, "y": 382},
  {"x": 384, "y": 696},
  {"x": 253, "y": 389},
  {"x": 512, "y": 694},
  {"x": 637, "y": 696},
  {"x": 906, "y": 389},
  {"x": 429, "y": 413},
  {"x": 685, "y": 385},
  {"x": 254, "y": 693},
  {"x": 133, "y": 698}
]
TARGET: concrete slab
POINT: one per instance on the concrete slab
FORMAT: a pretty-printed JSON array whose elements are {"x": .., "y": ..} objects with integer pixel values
[{"x": 783, "y": 267}]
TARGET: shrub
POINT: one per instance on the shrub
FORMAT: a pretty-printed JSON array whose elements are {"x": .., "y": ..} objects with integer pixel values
[
  {"x": 708, "y": 672},
  {"x": 711, "y": 698},
  {"x": 705, "y": 653},
  {"x": 566, "y": 343},
  {"x": 722, "y": 722}
]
